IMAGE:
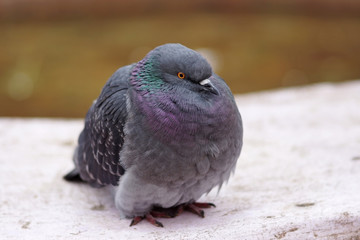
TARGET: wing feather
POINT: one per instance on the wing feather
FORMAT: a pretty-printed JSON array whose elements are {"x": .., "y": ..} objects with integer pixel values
[{"x": 98, "y": 154}]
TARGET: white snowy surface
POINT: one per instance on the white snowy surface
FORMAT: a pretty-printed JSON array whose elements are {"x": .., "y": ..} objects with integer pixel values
[{"x": 298, "y": 176}]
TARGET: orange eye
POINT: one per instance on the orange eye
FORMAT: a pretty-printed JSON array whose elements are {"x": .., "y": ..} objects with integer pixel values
[{"x": 181, "y": 75}]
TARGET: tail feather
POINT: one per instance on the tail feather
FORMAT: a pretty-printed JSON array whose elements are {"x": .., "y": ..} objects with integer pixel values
[{"x": 73, "y": 176}]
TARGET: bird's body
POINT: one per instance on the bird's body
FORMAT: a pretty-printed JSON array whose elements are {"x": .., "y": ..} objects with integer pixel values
[{"x": 163, "y": 131}]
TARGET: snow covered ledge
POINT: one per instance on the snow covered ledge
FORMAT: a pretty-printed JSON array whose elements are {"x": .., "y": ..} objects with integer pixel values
[{"x": 298, "y": 176}]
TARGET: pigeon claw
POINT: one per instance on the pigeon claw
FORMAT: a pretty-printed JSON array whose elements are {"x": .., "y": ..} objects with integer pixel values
[
  {"x": 158, "y": 212},
  {"x": 204, "y": 205},
  {"x": 149, "y": 218},
  {"x": 195, "y": 208},
  {"x": 153, "y": 221},
  {"x": 136, "y": 220}
]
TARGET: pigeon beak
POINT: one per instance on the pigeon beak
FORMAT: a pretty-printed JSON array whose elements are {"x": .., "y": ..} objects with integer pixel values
[{"x": 209, "y": 86}]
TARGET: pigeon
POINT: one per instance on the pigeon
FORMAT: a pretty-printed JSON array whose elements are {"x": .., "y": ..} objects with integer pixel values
[{"x": 163, "y": 132}]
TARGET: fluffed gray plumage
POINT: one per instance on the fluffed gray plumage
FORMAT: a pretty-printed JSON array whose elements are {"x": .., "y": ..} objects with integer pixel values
[{"x": 163, "y": 131}]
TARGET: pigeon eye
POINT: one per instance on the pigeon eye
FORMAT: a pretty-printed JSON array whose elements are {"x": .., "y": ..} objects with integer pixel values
[{"x": 181, "y": 75}]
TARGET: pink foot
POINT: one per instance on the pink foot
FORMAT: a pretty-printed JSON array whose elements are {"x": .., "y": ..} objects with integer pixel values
[
  {"x": 149, "y": 218},
  {"x": 159, "y": 212}
]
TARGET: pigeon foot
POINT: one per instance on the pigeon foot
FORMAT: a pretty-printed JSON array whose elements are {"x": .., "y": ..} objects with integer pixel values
[
  {"x": 149, "y": 218},
  {"x": 195, "y": 208},
  {"x": 158, "y": 212}
]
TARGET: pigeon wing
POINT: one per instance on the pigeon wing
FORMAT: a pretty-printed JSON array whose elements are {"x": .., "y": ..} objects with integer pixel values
[{"x": 98, "y": 153}]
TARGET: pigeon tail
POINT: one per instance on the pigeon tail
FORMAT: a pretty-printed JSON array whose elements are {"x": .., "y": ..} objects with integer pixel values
[{"x": 73, "y": 176}]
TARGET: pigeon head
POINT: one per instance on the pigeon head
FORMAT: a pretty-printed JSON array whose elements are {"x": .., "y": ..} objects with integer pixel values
[
  {"x": 173, "y": 66},
  {"x": 175, "y": 90}
]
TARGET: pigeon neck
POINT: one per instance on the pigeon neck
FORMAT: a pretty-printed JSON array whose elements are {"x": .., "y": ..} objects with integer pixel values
[{"x": 146, "y": 76}]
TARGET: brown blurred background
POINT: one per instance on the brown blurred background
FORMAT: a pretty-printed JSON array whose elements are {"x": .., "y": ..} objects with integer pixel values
[{"x": 55, "y": 55}]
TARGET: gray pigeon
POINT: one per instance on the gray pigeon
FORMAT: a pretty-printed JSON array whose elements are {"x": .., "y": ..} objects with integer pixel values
[{"x": 164, "y": 131}]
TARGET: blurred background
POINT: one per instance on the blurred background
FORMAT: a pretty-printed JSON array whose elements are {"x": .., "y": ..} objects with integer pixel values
[{"x": 56, "y": 55}]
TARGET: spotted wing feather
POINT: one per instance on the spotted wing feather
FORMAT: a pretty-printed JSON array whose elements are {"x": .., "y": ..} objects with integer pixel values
[{"x": 98, "y": 153}]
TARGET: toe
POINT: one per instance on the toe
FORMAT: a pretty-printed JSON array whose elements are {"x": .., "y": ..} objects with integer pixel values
[
  {"x": 204, "y": 205},
  {"x": 149, "y": 218},
  {"x": 136, "y": 220},
  {"x": 153, "y": 221},
  {"x": 194, "y": 209}
]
